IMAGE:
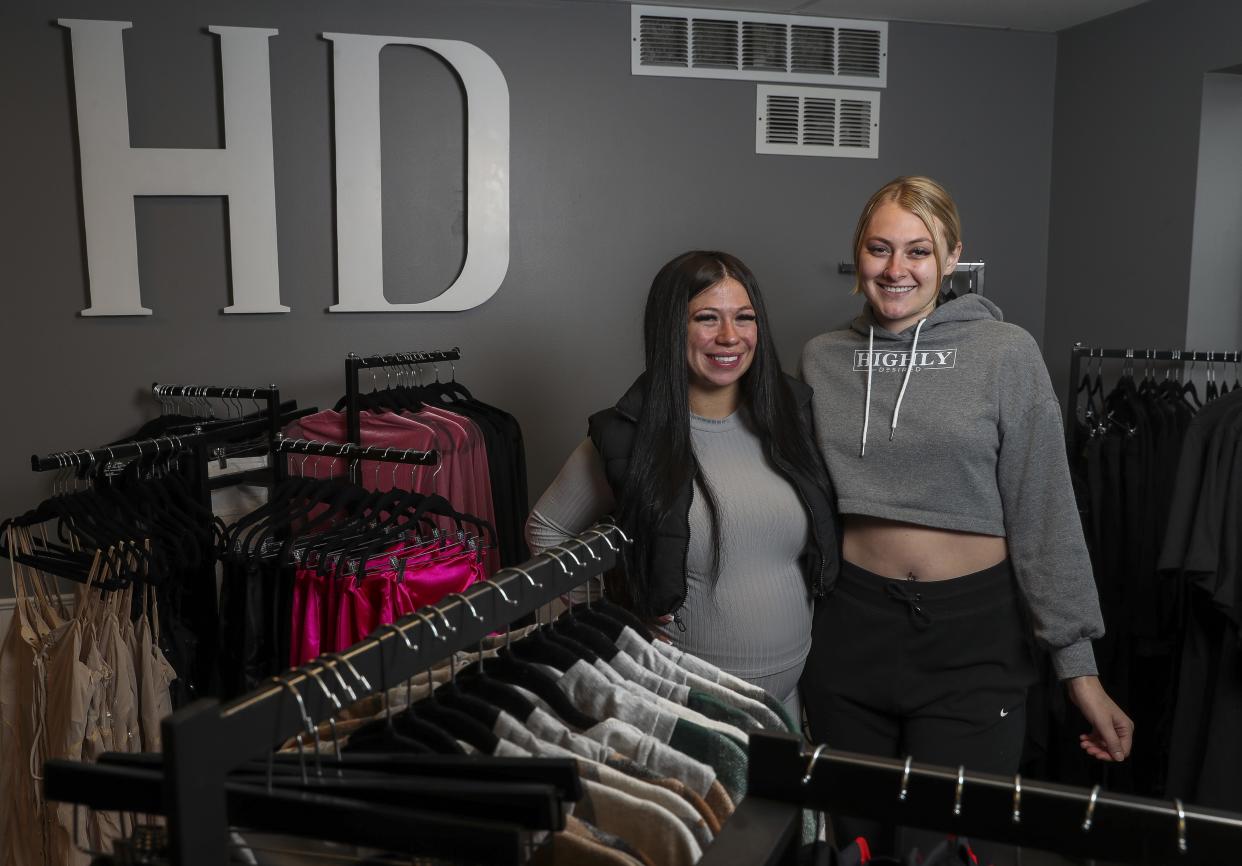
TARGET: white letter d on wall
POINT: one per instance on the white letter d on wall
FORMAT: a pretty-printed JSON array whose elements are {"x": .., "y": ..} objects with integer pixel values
[{"x": 359, "y": 212}]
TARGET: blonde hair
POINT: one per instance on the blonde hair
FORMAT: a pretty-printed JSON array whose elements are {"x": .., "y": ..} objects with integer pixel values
[{"x": 928, "y": 201}]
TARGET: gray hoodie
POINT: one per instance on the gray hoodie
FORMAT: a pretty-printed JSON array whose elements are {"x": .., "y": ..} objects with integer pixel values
[{"x": 969, "y": 438}]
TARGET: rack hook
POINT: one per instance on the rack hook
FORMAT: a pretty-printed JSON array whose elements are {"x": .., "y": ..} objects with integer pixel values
[
  {"x": 551, "y": 555},
  {"x": 534, "y": 583},
  {"x": 1182, "y": 847},
  {"x": 474, "y": 613},
  {"x": 567, "y": 552},
  {"x": 1089, "y": 818},
  {"x": 810, "y": 767},
  {"x": 357, "y": 674},
  {"x": 431, "y": 625},
  {"x": 494, "y": 585}
]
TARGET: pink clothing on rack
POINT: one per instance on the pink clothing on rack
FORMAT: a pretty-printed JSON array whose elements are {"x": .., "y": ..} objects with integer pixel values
[
  {"x": 461, "y": 477},
  {"x": 336, "y": 611},
  {"x": 310, "y": 597}
]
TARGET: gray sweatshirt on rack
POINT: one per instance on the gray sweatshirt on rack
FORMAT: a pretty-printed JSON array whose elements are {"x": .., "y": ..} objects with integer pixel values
[{"x": 969, "y": 438}]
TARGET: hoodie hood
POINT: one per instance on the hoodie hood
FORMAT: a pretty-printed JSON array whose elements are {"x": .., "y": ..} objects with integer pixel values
[{"x": 967, "y": 308}]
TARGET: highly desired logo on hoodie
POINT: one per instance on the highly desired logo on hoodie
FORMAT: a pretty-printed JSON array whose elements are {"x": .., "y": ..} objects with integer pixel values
[{"x": 891, "y": 361}]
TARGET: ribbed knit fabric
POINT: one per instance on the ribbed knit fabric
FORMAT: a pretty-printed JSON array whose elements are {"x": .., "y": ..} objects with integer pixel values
[{"x": 753, "y": 618}]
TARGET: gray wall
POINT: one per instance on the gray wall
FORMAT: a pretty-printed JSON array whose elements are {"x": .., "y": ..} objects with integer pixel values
[
  {"x": 612, "y": 174},
  {"x": 1129, "y": 89},
  {"x": 1214, "y": 308}
]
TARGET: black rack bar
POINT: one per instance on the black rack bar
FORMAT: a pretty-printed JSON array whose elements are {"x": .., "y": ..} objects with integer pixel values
[
  {"x": 1122, "y": 827},
  {"x": 147, "y": 447},
  {"x": 271, "y": 394},
  {"x": 355, "y": 364},
  {"x": 1079, "y": 351},
  {"x": 214, "y": 391},
  {"x": 348, "y": 451},
  {"x": 204, "y": 741}
]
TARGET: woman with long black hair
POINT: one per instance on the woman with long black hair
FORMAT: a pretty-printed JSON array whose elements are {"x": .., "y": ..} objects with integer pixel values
[{"x": 707, "y": 463}]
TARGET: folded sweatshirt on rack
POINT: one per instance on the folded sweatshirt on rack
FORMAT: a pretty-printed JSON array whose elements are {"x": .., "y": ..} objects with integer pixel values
[
  {"x": 673, "y": 664},
  {"x": 685, "y": 814},
  {"x": 584, "y": 845},
  {"x": 648, "y": 826}
]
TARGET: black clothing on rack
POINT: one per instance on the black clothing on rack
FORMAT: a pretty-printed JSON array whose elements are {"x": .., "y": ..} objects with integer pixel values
[
  {"x": 1124, "y": 437},
  {"x": 1201, "y": 555},
  {"x": 502, "y": 435}
]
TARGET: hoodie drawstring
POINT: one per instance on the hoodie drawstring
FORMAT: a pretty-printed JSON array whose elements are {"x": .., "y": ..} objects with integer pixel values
[
  {"x": 867, "y": 411},
  {"x": 901, "y": 395},
  {"x": 914, "y": 347}
]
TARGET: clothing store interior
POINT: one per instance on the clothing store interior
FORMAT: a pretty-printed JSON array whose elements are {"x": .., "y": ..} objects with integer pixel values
[{"x": 318, "y": 306}]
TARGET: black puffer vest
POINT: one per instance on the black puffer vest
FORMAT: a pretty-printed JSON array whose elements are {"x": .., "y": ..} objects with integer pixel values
[{"x": 613, "y": 431}]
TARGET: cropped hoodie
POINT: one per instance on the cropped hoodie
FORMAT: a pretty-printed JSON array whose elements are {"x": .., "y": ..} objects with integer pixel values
[
  {"x": 613, "y": 432},
  {"x": 953, "y": 424}
]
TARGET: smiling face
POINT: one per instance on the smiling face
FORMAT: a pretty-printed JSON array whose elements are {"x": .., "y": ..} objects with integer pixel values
[
  {"x": 721, "y": 335},
  {"x": 898, "y": 269}
]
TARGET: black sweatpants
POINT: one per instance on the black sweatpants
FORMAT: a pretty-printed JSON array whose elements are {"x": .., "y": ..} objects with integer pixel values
[{"x": 937, "y": 670}]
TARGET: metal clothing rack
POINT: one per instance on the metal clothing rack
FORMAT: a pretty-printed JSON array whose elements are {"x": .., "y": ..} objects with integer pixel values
[
  {"x": 1079, "y": 351},
  {"x": 270, "y": 394},
  {"x": 204, "y": 741},
  {"x": 314, "y": 447},
  {"x": 784, "y": 778},
  {"x": 201, "y": 443},
  {"x": 355, "y": 364}
]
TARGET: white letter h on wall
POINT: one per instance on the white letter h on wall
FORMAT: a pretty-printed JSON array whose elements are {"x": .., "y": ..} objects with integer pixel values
[{"x": 113, "y": 172}]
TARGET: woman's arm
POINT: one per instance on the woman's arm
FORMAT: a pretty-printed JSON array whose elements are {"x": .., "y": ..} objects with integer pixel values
[
  {"x": 1049, "y": 553},
  {"x": 576, "y": 498}
]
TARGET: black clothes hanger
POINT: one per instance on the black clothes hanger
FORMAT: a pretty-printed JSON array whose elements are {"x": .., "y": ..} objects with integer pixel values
[
  {"x": 561, "y": 773},
  {"x": 474, "y": 681},
  {"x": 588, "y": 635},
  {"x": 611, "y": 618},
  {"x": 414, "y": 735},
  {"x": 561, "y": 637},
  {"x": 452, "y": 721},
  {"x": 309, "y": 813},
  {"x": 340, "y": 819},
  {"x": 529, "y": 805},
  {"x": 519, "y": 673},
  {"x": 478, "y": 709},
  {"x": 538, "y": 646}
]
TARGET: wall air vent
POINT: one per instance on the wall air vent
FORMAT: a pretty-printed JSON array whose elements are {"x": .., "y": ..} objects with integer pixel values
[
  {"x": 817, "y": 121},
  {"x": 710, "y": 43}
]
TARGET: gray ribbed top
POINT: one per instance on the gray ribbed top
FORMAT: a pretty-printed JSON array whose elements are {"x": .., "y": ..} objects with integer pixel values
[{"x": 754, "y": 617}]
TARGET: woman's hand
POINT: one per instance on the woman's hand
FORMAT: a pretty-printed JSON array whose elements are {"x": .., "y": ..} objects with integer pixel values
[
  {"x": 1112, "y": 731},
  {"x": 657, "y": 625}
]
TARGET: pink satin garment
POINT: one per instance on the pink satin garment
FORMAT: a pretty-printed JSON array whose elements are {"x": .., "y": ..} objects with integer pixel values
[
  {"x": 362, "y": 606},
  {"x": 309, "y": 626},
  {"x": 429, "y": 581}
]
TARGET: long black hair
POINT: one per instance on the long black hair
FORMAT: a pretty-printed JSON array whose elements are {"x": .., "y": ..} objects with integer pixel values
[{"x": 662, "y": 462}]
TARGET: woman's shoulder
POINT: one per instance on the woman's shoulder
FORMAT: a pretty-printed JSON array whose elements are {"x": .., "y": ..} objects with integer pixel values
[
  {"x": 1008, "y": 338},
  {"x": 835, "y": 337}
]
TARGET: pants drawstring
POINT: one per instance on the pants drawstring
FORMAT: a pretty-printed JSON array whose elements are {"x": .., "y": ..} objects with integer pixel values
[{"x": 919, "y": 617}]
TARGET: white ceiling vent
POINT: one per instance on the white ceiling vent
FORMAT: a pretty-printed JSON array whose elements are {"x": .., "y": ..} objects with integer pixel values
[
  {"x": 817, "y": 121},
  {"x": 710, "y": 43}
]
